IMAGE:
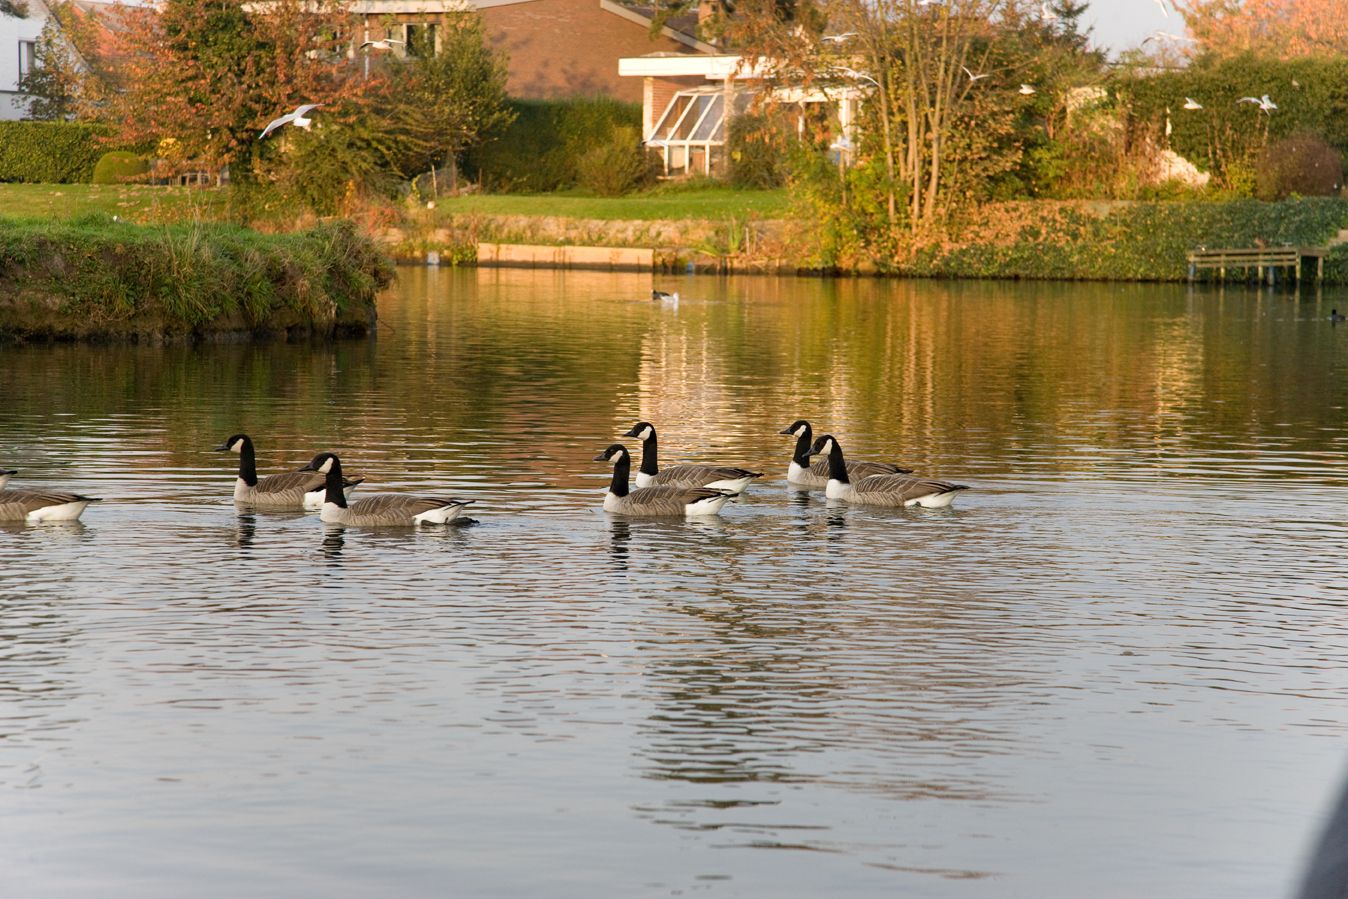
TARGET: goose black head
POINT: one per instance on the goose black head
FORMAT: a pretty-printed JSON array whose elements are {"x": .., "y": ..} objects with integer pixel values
[
  {"x": 234, "y": 444},
  {"x": 612, "y": 454},
  {"x": 824, "y": 443},
  {"x": 643, "y": 430},
  {"x": 323, "y": 462},
  {"x": 796, "y": 428}
]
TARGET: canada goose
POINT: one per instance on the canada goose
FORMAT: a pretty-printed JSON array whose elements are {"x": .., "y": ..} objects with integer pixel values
[
  {"x": 656, "y": 501},
  {"x": 803, "y": 474},
  {"x": 714, "y": 476},
  {"x": 5, "y": 475},
  {"x": 41, "y": 505},
  {"x": 288, "y": 490},
  {"x": 384, "y": 510},
  {"x": 881, "y": 489}
]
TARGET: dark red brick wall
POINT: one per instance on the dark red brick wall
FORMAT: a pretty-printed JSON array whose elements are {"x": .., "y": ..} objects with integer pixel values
[{"x": 570, "y": 48}]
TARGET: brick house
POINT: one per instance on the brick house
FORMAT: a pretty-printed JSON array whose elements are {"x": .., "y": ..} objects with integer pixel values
[{"x": 557, "y": 48}]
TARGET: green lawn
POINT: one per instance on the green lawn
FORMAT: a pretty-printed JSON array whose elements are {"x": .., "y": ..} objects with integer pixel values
[
  {"x": 153, "y": 204},
  {"x": 133, "y": 202},
  {"x": 715, "y": 203}
]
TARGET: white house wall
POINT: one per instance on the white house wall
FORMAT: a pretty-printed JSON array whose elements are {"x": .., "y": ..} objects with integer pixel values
[{"x": 12, "y": 32}]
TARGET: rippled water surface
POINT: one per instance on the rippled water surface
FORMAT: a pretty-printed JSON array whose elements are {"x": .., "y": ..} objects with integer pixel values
[{"x": 1118, "y": 667}]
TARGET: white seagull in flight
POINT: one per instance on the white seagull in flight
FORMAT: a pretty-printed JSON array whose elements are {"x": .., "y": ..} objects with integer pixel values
[
  {"x": 385, "y": 43},
  {"x": 295, "y": 118},
  {"x": 1191, "y": 103},
  {"x": 972, "y": 76},
  {"x": 838, "y": 38},
  {"x": 1026, "y": 89},
  {"x": 1264, "y": 103}
]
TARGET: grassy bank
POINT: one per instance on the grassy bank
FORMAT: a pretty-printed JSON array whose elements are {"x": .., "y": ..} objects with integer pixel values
[
  {"x": 95, "y": 278},
  {"x": 1121, "y": 241}
]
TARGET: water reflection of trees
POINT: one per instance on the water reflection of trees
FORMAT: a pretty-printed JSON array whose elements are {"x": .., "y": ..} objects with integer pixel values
[{"x": 946, "y": 375}]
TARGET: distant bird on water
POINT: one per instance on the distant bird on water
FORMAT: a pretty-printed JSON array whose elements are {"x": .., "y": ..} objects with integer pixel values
[
  {"x": 295, "y": 118},
  {"x": 385, "y": 43},
  {"x": 1191, "y": 103},
  {"x": 1335, "y": 317},
  {"x": 661, "y": 297}
]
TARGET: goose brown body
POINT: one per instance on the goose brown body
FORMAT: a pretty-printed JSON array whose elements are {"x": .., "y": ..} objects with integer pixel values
[{"x": 42, "y": 505}]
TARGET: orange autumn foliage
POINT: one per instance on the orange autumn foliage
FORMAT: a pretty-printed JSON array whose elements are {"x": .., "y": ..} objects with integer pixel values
[
  {"x": 1281, "y": 28},
  {"x": 210, "y": 74}
]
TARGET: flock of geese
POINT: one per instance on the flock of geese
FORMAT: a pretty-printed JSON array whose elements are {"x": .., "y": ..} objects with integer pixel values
[{"x": 691, "y": 490}]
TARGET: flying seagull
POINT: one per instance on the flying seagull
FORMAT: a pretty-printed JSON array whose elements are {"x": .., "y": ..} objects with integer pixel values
[
  {"x": 1191, "y": 103},
  {"x": 972, "y": 76},
  {"x": 1047, "y": 12},
  {"x": 295, "y": 118},
  {"x": 382, "y": 44},
  {"x": 1165, "y": 12},
  {"x": 1026, "y": 89},
  {"x": 1264, "y": 103},
  {"x": 838, "y": 38}
]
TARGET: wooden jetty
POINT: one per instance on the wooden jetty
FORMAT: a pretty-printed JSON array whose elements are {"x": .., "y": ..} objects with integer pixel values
[{"x": 1261, "y": 259}]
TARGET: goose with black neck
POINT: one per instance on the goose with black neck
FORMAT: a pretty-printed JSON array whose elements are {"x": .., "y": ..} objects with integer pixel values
[
  {"x": 719, "y": 477},
  {"x": 881, "y": 489},
  {"x": 658, "y": 501}
]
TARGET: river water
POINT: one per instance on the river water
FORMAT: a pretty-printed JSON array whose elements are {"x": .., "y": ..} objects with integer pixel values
[{"x": 1117, "y": 667}]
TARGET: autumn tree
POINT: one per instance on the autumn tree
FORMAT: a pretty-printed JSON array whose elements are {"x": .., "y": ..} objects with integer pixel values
[
  {"x": 208, "y": 75},
  {"x": 1278, "y": 28},
  {"x": 449, "y": 97}
]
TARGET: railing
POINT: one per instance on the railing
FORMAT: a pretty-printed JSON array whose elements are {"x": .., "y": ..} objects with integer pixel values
[{"x": 1258, "y": 258}]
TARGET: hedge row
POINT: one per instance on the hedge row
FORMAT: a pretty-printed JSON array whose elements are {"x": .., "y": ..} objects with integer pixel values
[
  {"x": 1121, "y": 241},
  {"x": 542, "y": 149},
  {"x": 50, "y": 152}
]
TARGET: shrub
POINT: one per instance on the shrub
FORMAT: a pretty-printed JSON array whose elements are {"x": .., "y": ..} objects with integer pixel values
[
  {"x": 617, "y": 166},
  {"x": 541, "y": 148},
  {"x": 49, "y": 152},
  {"x": 1301, "y": 164},
  {"x": 756, "y": 151},
  {"x": 118, "y": 167}
]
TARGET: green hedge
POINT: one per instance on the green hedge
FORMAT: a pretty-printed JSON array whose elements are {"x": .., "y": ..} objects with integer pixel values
[
  {"x": 50, "y": 152},
  {"x": 1122, "y": 241},
  {"x": 1311, "y": 93},
  {"x": 541, "y": 149}
]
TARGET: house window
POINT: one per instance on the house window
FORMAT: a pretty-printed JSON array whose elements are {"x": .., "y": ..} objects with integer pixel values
[
  {"x": 27, "y": 58},
  {"x": 420, "y": 39}
]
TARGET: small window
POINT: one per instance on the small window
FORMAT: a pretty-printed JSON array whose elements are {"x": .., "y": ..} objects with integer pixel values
[
  {"x": 420, "y": 40},
  {"x": 27, "y": 58}
]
